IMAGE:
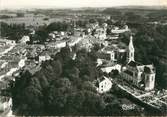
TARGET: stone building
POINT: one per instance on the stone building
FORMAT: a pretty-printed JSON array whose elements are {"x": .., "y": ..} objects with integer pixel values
[{"x": 142, "y": 76}]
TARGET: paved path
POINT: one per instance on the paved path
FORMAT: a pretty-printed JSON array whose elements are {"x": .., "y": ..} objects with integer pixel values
[{"x": 7, "y": 50}]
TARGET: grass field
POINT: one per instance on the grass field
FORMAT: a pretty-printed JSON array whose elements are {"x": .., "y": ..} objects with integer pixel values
[{"x": 34, "y": 21}]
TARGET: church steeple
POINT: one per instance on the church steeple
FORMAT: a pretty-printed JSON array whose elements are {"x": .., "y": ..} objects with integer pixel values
[{"x": 131, "y": 50}]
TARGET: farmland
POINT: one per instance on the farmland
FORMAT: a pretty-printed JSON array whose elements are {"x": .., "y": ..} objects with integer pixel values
[{"x": 31, "y": 20}]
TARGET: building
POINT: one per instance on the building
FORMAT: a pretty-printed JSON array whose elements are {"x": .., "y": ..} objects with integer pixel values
[
  {"x": 5, "y": 103},
  {"x": 74, "y": 40},
  {"x": 110, "y": 51},
  {"x": 149, "y": 77},
  {"x": 142, "y": 76},
  {"x": 107, "y": 68},
  {"x": 103, "y": 57},
  {"x": 86, "y": 42},
  {"x": 114, "y": 51},
  {"x": 116, "y": 30},
  {"x": 56, "y": 45},
  {"x": 103, "y": 84},
  {"x": 21, "y": 63},
  {"x": 113, "y": 37},
  {"x": 100, "y": 33},
  {"x": 25, "y": 39},
  {"x": 44, "y": 56},
  {"x": 56, "y": 36}
]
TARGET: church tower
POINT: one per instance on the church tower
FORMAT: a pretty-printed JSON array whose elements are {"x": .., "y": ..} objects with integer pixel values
[{"x": 130, "y": 51}]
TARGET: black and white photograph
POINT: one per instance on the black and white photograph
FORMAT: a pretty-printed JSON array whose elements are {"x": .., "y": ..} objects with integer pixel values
[{"x": 83, "y": 58}]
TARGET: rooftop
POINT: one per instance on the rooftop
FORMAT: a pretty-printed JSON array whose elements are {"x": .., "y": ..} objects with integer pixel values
[
  {"x": 148, "y": 69},
  {"x": 134, "y": 64},
  {"x": 129, "y": 72},
  {"x": 108, "y": 64}
]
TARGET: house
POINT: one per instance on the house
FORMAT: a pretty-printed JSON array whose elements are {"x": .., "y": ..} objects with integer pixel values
[
  {"x": 32, "y": 31},
  {"x": 103, "y": 56},
  {"x": 110, "y": 51},
  {"x": 104, "y": 25},
  {"x": 3, "y": 85},
  {"x": 92, "y": 25},
  {"x": 100, "y": 33},
  {"x": 103, "y": 84},
  {"x": 117, "y": 30},
  {"x": 32, "y": 51},
  {"x": 21, "y": 63},
  {"x": 74, "y": 40},
  {"x": 86, "y": 43},
  {"x": 56, "y": 45},
  {"x": 113, "y": 37},
  {"x": 44, "y": 56},
  {"x": 4, "y": 64},
  {"x": 5, "y": 103},
  {"x": 25, "y": 39},
  {"x": 31, "y": 54},
  {"x": 113, "y": 52},
  {"x": 52, "y": 35},
  {"x": 56, "y": 36}
]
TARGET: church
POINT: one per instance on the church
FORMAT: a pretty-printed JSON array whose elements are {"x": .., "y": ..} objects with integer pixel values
[{"x": 142, "y": 76}]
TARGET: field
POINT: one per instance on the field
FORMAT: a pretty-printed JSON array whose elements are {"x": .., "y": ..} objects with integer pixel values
[{"x": 32, "y": 20}]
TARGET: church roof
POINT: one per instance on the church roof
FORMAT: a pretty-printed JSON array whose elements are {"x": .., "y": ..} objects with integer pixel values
[
  {"x": 131, "y": 43},
  {"x": 128, "y": 72},
  {"x": 101, "y": 79},
  {"x": 148, "y": 69},
  {"x": 133, "y": 64}
]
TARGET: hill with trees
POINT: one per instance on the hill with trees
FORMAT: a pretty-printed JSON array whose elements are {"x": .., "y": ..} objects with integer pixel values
[{"x": 62, "y": 87}]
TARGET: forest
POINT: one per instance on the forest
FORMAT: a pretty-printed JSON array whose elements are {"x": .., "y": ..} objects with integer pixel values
[{"x": 62, "y": 87}]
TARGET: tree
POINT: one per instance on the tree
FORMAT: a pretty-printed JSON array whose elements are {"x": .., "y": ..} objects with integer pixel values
[
  {"x": 87, "y": 85},
  {"x": 92, "y": 21},
  {"x": 57, "y": 26},
  {"x": 59, "y": 87},
  {"x": 90, "y": 106},
  {"x": 57, "y": 94},
  {"x": 164, "y": 80},
  {"x": 74, "y": 103},
  {"x": 113, "y": 109},
  {"x": 13, "y": 31},
  {"x": 20, "y": 14},
  {"x": 33, "y": 98}
]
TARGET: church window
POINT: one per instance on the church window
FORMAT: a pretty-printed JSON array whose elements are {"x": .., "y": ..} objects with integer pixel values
[
  {"x": 147, "y": 79},
  {"x": 152, "y": 78},
  {"x": 131, "y": 54}
]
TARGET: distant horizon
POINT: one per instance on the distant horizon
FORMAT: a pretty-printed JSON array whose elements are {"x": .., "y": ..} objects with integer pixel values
[
  {"x": 123, "y": 6},
  {"x": 63, "y": 4}
]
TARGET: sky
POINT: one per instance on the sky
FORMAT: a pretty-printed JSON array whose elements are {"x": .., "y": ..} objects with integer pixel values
[{"x": 16, "y": 4}]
